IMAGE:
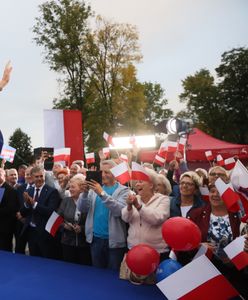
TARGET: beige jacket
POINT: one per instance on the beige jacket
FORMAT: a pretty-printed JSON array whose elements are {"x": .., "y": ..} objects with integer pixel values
[{"x": 145, "y": 224}]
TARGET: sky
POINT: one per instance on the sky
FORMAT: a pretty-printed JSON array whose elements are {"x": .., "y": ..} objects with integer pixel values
[{"x": 177, "y": 38}]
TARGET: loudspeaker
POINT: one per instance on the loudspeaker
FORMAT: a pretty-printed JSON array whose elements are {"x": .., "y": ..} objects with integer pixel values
[{"x": 48, "y": 164}]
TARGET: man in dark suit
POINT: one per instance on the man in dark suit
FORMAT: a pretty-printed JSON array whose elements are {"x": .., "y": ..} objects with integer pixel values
[
  {"x": 39, "y": 203},
  {"x": 8, "y": 207},
  {"x": 20, "y": 236}
]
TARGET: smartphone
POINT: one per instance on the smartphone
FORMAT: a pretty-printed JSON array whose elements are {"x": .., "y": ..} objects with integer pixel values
[{"x": 94, "y": 175}]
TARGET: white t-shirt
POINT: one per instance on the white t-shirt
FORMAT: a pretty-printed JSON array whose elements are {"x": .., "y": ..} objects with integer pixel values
[{"x": 185, "y": 209}]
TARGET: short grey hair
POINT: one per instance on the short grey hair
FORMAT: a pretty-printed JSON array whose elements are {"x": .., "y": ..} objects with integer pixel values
[
  {"x": 37, "y": 169},
  {"x": 109, "y": 162},
  {"x": 78, "y": 179},
  {"x": 166, "y": 183},
  {"x": 153, "y": 176}
]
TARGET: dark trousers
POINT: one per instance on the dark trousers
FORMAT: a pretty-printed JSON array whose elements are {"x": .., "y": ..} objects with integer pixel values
[
  {"x": 105, "y": 257},
  {"x": 77, "y": 255},
  {"x": 21, "y": 238},
  {"x": 6, "y": 241},
  {"x": 40, "y": 244}
]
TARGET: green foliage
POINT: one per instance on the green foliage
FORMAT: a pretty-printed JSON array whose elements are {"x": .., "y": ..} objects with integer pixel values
[
  {"x": 156, "y": 104},
  {"x": 233, "y": 74},
  {"x": 22, "y": 143},
  {"x": 220, "y": 109},
  {"x": 62, "y": 29},
  {"x": 203, "y": 102}
]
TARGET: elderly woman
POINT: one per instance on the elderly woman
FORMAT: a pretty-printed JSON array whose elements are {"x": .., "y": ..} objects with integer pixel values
[
  {"x": 145, "y": 214},
  {"x": 74, "y": 246},
  {"x": 218, "y": 226},
  {"x": 163, "y": 185},
  {"x": 188, "y": 198}
]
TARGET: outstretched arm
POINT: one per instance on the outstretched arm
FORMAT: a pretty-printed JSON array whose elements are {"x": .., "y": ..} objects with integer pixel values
[{"x": 6, "y": 75}]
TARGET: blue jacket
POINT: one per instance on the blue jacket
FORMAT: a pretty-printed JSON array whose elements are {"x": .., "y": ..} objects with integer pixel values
[{"x": 175, "y": 204}]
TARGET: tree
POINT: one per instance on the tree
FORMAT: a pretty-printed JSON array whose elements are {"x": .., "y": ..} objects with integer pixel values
[
  {"x": 62, "y": 29},
  {"x": 22, "y": 143},
  {"x": 203, "y": 103},
  {"x": 111, "y": 48},
  {"x": 156, "y": 110},
  {"x": 233, "y": 73}
]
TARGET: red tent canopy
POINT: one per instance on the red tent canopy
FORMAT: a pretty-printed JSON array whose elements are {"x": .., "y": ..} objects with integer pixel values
[{"x": 198, "y": 143}]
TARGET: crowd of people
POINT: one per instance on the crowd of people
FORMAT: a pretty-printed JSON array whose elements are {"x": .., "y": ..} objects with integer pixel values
[{"x": 103, "y": 221}]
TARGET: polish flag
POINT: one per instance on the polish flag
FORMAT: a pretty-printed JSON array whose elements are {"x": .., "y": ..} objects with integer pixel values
[
  {"x": 8, "y": 153},
  {"x": 220, "y": 160},
  {"x": 235, "y": 251},
  {"x": 209, "y": 155},
  {"x": 229, "y": 163},
  {"x": 239, "y": 180},
  {"x": 197, "y": 280},
  {"x": 139, "y": 172},
  {"x": 53, "y": 223},
  {"x": 90, "y": 158},
  {"x": 172, "y": 146},
  {"x": 63, "y": 129},
  {"x": 228, "y": 195},
  {"x": 106, "y": 152},
  {"x": 181, "y": 144},
  {"x": 162, "y": 152},
  {"x": 121, "y": 173},
  {"x": 204, "y": 193},
  {"x": 123, "y": 157},
  {"x": 108, "y": 138},
  {"x": 62, "y": 154},
  {"x": 159, "y": 160}
]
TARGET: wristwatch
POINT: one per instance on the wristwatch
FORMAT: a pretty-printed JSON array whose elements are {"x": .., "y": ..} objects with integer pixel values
[{"x": 102, "y": 194}]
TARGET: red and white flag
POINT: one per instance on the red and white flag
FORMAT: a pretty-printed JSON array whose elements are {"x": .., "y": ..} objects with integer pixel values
[
  {"x": 235, "y": 251},
  {"x": 181, "y": 144},
  {"x": 198, "y": 280},
  {"x": 53, "y": 223},
  {"x": 8, "y": 153},
  {"x": 62, "y": 154},
  {"x": 106, "y": 152},
  {"x": 209, "y": 155},
  {"x": 159, "y": 160},
  {"x": 108, "y": 138},
  {"x": 172, "y": 146},
  {"x": 204, "y": 193},
  {"x": 63, "y": 129},
  {"x": 121, "y": 173},
  {"x": 220, "y": 160},
  {"x": 239, "y": 180},
  {"x": 139, "y": 172},
  {"x": 90, "y": 158},
  {"x": 229, "y": 163},
  {"x": 123, "y": 157},
  {"x": 162, "y": 152},
  {"x": 228, "y": 195}
]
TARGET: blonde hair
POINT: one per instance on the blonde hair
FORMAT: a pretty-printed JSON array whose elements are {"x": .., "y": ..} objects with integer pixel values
[{"x": 194, "y": 176}]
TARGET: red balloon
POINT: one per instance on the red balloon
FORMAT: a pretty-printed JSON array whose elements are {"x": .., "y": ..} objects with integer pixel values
[
  {"x": 181, "y": 234},
  {"x": 142, "y": 259}
]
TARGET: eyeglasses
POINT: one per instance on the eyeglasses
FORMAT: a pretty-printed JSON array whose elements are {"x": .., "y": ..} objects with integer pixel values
[
  {"x": 217, "y": 174},
  {"x": 187, "y": 184}
]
